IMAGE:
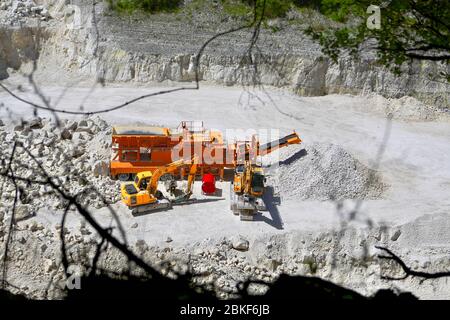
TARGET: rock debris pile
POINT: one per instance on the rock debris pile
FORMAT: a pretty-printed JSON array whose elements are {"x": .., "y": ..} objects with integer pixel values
[
  {"x": 14, "y": 12},
  {"x": 323, "y": 172},
  {"x": 65, "y": 153},
  {"x": 218, "y": 265}
]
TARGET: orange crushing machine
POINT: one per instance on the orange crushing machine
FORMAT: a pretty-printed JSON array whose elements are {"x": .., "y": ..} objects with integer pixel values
[{"x": 136, "y": 149}]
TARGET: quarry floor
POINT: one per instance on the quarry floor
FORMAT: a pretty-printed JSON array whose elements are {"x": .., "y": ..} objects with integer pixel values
[{"x": 414, "y": 156}]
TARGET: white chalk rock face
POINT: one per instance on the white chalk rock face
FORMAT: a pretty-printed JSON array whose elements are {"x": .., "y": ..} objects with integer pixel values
[{"x": 297, "y": 63}]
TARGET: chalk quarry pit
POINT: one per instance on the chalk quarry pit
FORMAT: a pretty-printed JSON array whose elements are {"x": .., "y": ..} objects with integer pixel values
[{"x": 372, "y": 170}]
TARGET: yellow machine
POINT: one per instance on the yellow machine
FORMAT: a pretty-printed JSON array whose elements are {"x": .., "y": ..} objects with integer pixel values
[
  {"x": 249, "y": 179},
  {"x": 246, "y": 191},
  {"x": 247, "y": 187},
  {"x": 143, "y": 195}
]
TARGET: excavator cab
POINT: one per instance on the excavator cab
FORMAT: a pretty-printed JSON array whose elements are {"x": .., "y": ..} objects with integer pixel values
[
  {"x": 143, "y": 179},
  {"x": 135, "y": 193},
  {"x": 257, "y": 183}
]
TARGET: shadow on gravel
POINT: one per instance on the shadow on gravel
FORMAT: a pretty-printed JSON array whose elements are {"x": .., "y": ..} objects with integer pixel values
[
  {"x": 286, "y": 288},
  {"x": 296, "y": 156},
  {"x": 304, "y": 288},
  {"x": 271, "y": 202},
  {"x": 194, "y": 201}
]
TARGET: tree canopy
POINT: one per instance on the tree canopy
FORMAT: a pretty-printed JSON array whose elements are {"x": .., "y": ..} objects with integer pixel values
[{"x": 408, "y": 29}]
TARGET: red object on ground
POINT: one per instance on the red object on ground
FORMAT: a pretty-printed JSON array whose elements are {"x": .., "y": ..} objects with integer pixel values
[{"x": 208, "y": 183}]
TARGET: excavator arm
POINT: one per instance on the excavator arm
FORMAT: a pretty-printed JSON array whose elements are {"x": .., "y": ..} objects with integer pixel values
[
  {"x": 191, "y": 177},
  {"x": 169, "y": 168},
  {"x": 247, "y": 177}
]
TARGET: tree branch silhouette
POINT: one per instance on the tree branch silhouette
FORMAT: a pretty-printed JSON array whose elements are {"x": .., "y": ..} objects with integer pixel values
[{"x": 391, "y": 256}]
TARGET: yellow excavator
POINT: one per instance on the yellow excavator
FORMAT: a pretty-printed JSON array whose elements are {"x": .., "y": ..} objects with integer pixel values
[
  {"x": 247, "y": 187},
  {"x": 246, "y": 191},
  {"x": 142, "y": 195}
]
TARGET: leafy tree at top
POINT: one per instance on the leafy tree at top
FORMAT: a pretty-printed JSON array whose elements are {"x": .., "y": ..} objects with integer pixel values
[{"x": 409, "y": 29}]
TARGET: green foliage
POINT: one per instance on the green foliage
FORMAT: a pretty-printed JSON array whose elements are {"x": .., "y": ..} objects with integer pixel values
[
  {"x": 340, "y": 10},
  {"x": 311, "y": 262},
  {"x": 149, "y": 6},
  {"x": 236, "y": 8},
  {"x": 271, "y": 8},
  {"x": 410, "y": 29}
]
